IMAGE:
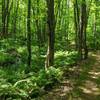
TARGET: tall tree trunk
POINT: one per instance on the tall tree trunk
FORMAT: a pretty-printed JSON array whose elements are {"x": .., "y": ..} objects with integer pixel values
[
  {"x": 29, "y": 36},
  {"x": 76, "y": 22},
  {"x": 38, "y": 25},
  {"x": 15, "y": 16},
  {"x": 51, "y": 34},
  {"x": 80, "y": 28},
  {"x": 3, "y": 17},
  {"x": 94, "y": 30},
  {"x": 85, "y": 21},
  {"x": 7, "y": 17}
]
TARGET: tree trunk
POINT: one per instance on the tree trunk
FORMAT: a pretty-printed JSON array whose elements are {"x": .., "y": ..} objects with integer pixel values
[
  {"x": 29, "y": 37},
  {"x": 85, "y": 21},
  {"x": 51, "y": 34}
]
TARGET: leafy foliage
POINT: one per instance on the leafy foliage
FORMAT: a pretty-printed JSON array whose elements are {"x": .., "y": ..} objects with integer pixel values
[
  {"x": 28, "y": 87},
  {"x": 65, "y": 58}
]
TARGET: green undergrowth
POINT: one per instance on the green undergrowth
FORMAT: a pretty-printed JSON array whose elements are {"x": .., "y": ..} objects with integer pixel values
[
  {"x": 15, "y": 85},
  {"x": 65, "y": 58}
]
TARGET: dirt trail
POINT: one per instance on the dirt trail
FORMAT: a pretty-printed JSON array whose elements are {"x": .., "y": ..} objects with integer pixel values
[{"x": 83, "y": 82}]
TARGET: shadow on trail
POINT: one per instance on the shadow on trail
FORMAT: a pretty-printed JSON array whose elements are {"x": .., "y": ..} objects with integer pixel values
[
  {"x": 81, "y": 82},
  {"x": 87, "y": 84}
]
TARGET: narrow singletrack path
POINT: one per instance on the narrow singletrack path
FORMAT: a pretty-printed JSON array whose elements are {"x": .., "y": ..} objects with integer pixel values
[{"x": 81, "y": 82}]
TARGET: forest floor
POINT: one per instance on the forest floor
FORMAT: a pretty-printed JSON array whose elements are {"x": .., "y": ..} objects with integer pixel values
[{"x": 81, "y": 82}]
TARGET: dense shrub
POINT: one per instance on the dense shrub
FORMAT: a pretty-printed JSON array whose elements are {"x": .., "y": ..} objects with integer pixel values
[
  {"x": 30, "y": 86},
  {"x": 65, "y": 58}
]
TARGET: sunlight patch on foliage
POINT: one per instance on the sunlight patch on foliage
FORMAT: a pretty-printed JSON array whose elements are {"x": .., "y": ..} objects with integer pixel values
[{"x": 64, "y": 58}]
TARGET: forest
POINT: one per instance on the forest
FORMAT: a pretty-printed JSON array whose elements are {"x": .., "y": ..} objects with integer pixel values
[{"x": 49, "y": 49}]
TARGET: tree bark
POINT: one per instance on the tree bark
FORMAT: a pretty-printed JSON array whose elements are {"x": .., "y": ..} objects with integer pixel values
[
  {"x": 29, "y": 36},
  {"x": 51, "y": 34}
]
